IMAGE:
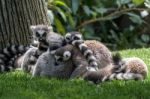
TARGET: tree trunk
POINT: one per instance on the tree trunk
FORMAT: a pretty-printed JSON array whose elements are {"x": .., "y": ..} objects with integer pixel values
[{"x": 16, "y": 16}]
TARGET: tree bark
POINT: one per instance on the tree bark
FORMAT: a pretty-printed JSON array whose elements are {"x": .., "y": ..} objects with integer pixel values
[{"x": 16, "y": 17}]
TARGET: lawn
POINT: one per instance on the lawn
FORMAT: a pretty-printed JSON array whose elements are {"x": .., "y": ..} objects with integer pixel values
[{"x": 18, "y": 85}]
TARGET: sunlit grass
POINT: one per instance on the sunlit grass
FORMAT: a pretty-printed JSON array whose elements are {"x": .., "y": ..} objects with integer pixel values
[{"x": 18, "y": 85}]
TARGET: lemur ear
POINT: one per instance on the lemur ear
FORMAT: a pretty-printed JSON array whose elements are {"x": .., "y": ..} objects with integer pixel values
[
  {"x": 67, "y": 55},
  {"x": 50, "y": 28},
  {"x": 32, "y": 27},
  {"x": 68, "y": 35}
]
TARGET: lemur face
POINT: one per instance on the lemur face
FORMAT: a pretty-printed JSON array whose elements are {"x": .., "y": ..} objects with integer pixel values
[
  {"x": 71, "y": 36},
  {"x": 40, "y": 32},
  {"x": 62, "y": 54}
]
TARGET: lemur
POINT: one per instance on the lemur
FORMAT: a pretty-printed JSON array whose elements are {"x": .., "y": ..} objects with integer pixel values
[
  {"x": 46, "y": 38},
  {"x": 76, "y": 63},
  {"x": 46, "y": 65},
  {"x": 8, "y": 56},
  {"x": 76, "y": 39},
  {"x": 94, "y": 51},
  {"x": 132, "y": 68}
]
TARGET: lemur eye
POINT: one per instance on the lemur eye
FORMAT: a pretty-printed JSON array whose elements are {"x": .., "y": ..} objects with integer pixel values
[
  {"x": 44, "y": 34},
  {"x": 68, "y": 38},
  {"x": 76, "y": 38},
  {"x": 37, "y": 34},
  {"x": 60, "y": 59},
  {"x": 54, "y": 47}
]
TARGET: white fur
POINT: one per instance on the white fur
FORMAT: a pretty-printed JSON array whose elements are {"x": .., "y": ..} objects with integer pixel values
[
  {"x": 57, "y": 57},
  {"x": 104, "y": 78},
  {"x": 52, "y": 52},
  {"x": 91, "y": 58},
  {"x": 92, "y": 69},
  {"x": 32, "y": 27},
  {"x": 50, "y": 28},
  {"x": 94, "y": 63},
  {"x": 112, "y": 76},
  {"x": 68, "y": 35},
  {"x": 2, "y": 68},
  {"x": 79, "y": 36},
  {"x": 119, "y": 76},
  {"x": 82, "y": 45},
  {"x": 76, "y": 41},
  {"x": 41, "y": 32},
  {"x": 66, "y": 55}
]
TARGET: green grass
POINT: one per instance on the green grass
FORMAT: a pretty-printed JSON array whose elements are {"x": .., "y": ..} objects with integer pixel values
[{"x": 18, "y": 85}]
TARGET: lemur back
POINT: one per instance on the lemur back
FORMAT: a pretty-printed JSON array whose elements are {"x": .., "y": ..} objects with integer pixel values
[{"x": 8, "y": 56}]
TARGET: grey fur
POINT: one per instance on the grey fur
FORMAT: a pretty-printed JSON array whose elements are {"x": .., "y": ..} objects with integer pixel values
[
  {"x": 8, "y": 56},
  {"x": 46, "y": 66},
  {"x": 51, "y": 40},
  {"x": 76, "y": 39}
]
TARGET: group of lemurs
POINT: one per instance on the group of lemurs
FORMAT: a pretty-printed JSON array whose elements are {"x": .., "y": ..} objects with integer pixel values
[{"x": 70, "y": 56}]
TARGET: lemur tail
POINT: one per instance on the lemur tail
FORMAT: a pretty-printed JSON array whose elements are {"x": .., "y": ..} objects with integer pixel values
[
  {"x": 9, "y": 54},
  {"x": 86, "y": 52},
  {"x": 98, "y": 77},
  {"x": 125, "y": 76}
]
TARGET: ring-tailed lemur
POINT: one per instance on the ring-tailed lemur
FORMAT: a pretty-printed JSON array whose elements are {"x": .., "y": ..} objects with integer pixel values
[
  {"x": 46, "y": 65},
  {"x": 100, "y": 52},
  {"x": 66, "y": 62},
  {"x": 71, "y": 53},
  {"x": 52, "y": 66},
  {"x": 8, "y": 56},
  {"x": 129, "y": 69},
  {"x": 110, "y": 71},
  {"x": 76, "y": 39},
  {"x": 46, "y": 38}
]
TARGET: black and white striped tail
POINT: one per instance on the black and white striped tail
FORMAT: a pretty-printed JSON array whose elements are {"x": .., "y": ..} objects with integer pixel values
[
  {"x": 124, "y": 76},
  {"x": 8, "y": 55},
  {"x": 96, "y": 77},
  {"x": 86, "y": 52}
]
